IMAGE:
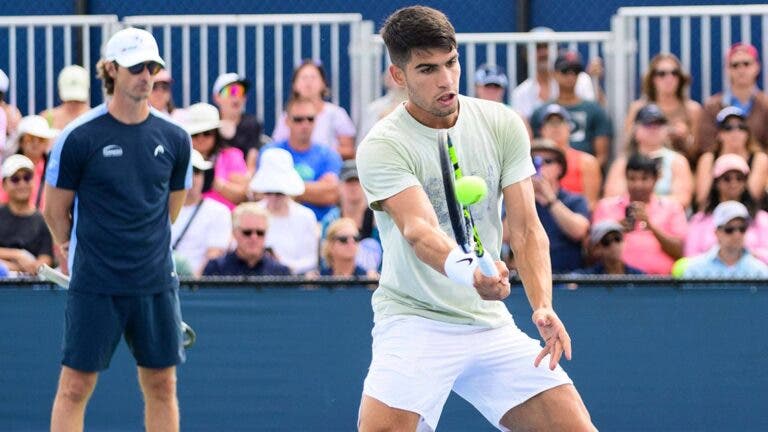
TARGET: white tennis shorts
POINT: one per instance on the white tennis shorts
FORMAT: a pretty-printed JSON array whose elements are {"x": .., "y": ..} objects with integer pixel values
[{"x": 417, "y": 362}]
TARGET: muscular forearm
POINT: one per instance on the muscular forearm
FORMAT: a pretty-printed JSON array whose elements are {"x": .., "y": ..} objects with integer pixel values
[
  {"x": 531, "y": 249},
  {"x": 431, "y": 245},
  {"x": 59, "y": 225}
]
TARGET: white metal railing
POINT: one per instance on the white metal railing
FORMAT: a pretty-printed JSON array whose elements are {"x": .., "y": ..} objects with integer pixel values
[{"x": 60, "y": 45}]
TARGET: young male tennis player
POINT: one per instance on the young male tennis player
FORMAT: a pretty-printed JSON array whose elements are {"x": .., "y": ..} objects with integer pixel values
[
  {"x": 122, "y": 169},
  {"x": 435, "y": 333}
]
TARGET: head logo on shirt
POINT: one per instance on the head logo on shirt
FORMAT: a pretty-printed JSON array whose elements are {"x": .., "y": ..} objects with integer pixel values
[
  {"x": 159, "y": 150},
  {"x": 112, "y": 150}
]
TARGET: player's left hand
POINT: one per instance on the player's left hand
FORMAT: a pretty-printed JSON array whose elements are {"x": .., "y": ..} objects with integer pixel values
[{"x": 556, "y": 339}]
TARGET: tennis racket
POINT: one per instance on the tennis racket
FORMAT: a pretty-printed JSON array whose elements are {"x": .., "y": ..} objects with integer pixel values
[
  {"x": 52, "y": 275},
  {"x": 463, "y": 225}
]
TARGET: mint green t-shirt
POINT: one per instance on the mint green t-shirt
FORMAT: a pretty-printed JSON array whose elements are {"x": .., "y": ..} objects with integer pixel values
[{"x": 399, "y": 152}]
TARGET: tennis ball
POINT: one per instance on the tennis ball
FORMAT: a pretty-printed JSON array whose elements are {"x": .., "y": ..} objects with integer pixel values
[
  {"x": 678, "y": 268},
  {"x": 470, "y": 189}
]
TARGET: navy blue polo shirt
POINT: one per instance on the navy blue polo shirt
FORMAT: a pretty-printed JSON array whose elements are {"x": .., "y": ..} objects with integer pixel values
[
  {"x": 122, "y": 176},
  {"x": 231, "y": 265}
]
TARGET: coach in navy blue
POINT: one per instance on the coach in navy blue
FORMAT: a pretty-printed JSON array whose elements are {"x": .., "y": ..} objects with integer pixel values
[{"x": 116, "y": 178}]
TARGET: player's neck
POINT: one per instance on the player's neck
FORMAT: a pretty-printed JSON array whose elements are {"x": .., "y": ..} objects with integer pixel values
[
  {"x": 128, "y": 110},
  {"x": 430, "y": 120}
]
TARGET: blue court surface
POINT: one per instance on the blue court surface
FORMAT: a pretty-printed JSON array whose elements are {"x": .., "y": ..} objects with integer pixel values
[{"x": 645, "y": 358}]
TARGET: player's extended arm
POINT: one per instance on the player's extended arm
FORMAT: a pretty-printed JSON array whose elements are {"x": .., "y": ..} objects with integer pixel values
[
  {"x": 175, "y": 203},
  {"x": 57, "y": 213}
]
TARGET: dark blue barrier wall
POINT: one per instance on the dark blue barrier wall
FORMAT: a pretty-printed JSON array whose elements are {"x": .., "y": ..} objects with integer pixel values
[{"x": 275, "y": 360}]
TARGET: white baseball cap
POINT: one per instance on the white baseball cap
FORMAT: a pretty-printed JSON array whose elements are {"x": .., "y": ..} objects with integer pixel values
[
  {"x": 16, "y": 162},
  {"x": 226, "y": 79},
  {"x": 727, "y": 211},
  {"x": 131, "y": 46},
  {"x": 36, "y": 125},
  {"x": 200, "y": 117},
  {"x": 277, "y": 174},
  {"x": 4, "y": 82},
  {"x": 74, "y": 84}
]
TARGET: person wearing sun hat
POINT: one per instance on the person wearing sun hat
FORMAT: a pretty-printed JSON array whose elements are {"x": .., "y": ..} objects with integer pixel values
[
  {"x": 75, "y": 94},
  {"x": 239, "y": 129},
  {"x": 123, "y": 169}
]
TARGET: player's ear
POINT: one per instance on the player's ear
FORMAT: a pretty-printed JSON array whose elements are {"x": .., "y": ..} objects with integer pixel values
[
  {"x": 111, "y": 69},
  {"x": 398, "y": 75}
]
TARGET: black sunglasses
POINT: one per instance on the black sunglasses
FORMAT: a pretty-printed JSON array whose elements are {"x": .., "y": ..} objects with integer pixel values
[
  {"x": 662, "y": 73},
  {"x": 738, "y": 64},
  {"x": 299, "y": 119},
  {"x": 734, "y": 126},
  {"x": 152, "y": 67},
  {"x": 731, "y": 229},
  {"x": 205, "y": 133},
  {"x": 27, "y": 177},
  {"x": 250, "y": 232},
  {"x": 161, "y": 86},
  {"x": 347, "y": 239},
  {"x": 607, "y": 240}
]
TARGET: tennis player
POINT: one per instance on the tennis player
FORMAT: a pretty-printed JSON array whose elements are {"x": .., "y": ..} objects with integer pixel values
[
  {"x": 122, "y": 169},
  {"x": 435, "y": 333}
]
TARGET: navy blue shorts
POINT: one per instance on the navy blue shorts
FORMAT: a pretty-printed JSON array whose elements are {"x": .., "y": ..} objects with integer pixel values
[{"x": 94, "y": 323}]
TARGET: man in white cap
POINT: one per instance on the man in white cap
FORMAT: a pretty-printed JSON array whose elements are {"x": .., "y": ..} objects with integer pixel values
[
  {"x": 729, "y": 258},
  {"x": 25, "y": 242},
  {"x": 75, "y": 94},
  {"x": 238, "y": 129},
  {"x": 125, "y": 169},
  {"x": 606, "y": 246},
  {"x": 202, "y": 230}
]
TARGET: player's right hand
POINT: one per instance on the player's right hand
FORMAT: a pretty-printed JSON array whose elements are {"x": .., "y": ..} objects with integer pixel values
[{"x": 493, "y": 287}]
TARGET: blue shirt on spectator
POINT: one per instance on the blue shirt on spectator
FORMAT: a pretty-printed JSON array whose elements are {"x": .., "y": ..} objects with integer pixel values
[
  {"x": 599, "y": 269},
  {"x": 327, "y": 271},
  {"x": 231, "y": 265},
  {"x": 564, "y": 252},
  {"x": 709, "y": 265},
  {"x": 311, "y": 165}
]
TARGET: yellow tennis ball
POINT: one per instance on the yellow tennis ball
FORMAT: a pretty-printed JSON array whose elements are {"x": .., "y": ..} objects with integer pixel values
[
  {"x": 470, "y": 189},
  {"x": 678, "y": 268}
]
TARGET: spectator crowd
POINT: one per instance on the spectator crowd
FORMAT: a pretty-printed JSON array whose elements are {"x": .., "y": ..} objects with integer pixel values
[{"x": 688, "y": 184}]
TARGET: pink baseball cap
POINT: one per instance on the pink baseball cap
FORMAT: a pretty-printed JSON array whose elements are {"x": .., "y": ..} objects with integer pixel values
[
  {"x": 729, "y": 162},
  {"x": 742, "y": 47}
]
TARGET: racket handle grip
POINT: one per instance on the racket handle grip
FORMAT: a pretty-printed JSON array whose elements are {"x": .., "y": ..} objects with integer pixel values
[{"x": 487, "y": 266}]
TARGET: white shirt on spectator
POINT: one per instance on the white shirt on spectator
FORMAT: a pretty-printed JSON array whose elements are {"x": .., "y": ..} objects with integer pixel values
[
  {"x": 295, "y": 238},
  {"x": 330, "y": 123},
  {"x": 525, "y": 97},
  {"x": 211, "y": 228}
]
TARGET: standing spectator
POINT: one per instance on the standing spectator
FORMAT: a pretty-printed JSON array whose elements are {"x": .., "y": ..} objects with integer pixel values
[
  {"x": 665, "y": 84},
  {"x": 729, "y": 258},
  {"x": 606, "y": 247},
  {"x": 203, "y": 228},
  {"x": 34, "y": 141},
  {"x": 728, "y": 183},
  {"x": 583, "y": 175},
  {"x": 733, "y": 137},
  {"x": 228, "y": 181},
  {"x": 238, "y": 129},
  {"x": 333, "y": 127},
  {"x": 25, "y": 242},
  {"x": 12, "y": 114},
  {"x": 564, "y": 215},
  {"x": 742, "y": 66},
  {"x": 381, "y": 107},
  {"x": 591, "y": 126},
  {"x": 250, "y": 224},
  {"x": 317, "y": 165},
  {"x": 491, "y": 83},
  {"x": 655, "y": 225},
  {"x": 75, "y": 94},
  {"x": 339, "y": 249},
  {"x": 161, "y": 97},
  {"x": 293, "y": 234},
  {"x": 650, "y": 137}
]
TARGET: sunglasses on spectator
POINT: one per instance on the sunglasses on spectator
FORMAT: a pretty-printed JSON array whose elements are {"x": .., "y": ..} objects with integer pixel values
[
  {"x": 570, "y": 71},
  {"x": 734, "y": 126},
  {"x": 152, "y": 67},
  {"x": 609, "y": 239},
  {"x": 738, "y": 64},
  {"x": 250, "y": 232},
  {"x": 211, "y": 132},
  {"x": 661, "y": 73},
  {"x": 547, "y": 161},
  {"x": 27, "y": 177},
  {"x": 301, "y": 119},
  {"x": 729, "y": 177},
  {"x": 164, "y": 86},
  {"x": 347, "y": 239},
  {"x": 732, "y": 229},
  {"x": 232, "y": 90}
]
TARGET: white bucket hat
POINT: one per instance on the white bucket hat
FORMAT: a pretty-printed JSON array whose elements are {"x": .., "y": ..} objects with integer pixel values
[
  {"x": 276, "y": 174},
  {"x": 201, "y": 117},
  {"x": 37, "y": 126}
]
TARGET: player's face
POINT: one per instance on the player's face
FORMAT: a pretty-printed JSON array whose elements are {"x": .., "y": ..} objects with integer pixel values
[
  {"x": 743, "y": 69},
  {"x": 135, "y": 87},
  {"x": 431, "y": 78},
  {"x": 640, "y": 185},
  {"x": 249, "y": 234},
  {"x": 491, "y": 92}
]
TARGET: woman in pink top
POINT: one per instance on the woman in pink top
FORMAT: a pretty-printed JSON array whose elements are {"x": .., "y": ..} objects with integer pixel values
[
  {"x": 333, "y": 127},
  {"x": 227, "y": 183},
  {"x": 729, "y": 183}
]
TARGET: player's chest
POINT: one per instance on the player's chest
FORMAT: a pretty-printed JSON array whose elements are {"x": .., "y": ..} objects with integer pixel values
[{"x": 144, "y": 158}]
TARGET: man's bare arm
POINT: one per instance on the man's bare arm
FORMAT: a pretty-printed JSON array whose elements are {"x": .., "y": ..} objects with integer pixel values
[
  {"x": 175, "y": 203},
  {"x": 57, "y": 213}
]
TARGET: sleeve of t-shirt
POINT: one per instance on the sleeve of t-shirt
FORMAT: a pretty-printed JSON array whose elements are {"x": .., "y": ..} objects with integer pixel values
[
  {"x": 281, "y": 130},
  {"x": 384, "y": 170},
  {"x": 603, "y": 125},
  {"x": 514, "y": 148},
  {"x": 342, "y": 124},
  {"x": 230, "y": 160},
  {"x": 65, "y": 164},
  {"x": 181, "y": 176}
]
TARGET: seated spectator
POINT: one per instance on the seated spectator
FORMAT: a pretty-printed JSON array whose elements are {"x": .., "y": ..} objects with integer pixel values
[
  {"x": 742, "y": 67},
  {"x": 655, "y": 226},
  {"x": 583, "y": 175},
  {"x": 665, "y": 84},
  {"x": 293, "y": 234},
  {"x": 250, "y": 224},
  {"x": 161, "y": 97},
  {"x": 729, "y": 258},
  {"x": 228, "y": 181},
  {"x": 733, "y": 137},
  {"x": 353, "y": 205},
  {"x": 333, "y": 126},
  {"x": 564, "y": 215},
  {"x": 381, "y": 107},
  {"x": 203, "y": 228},
  {"x": 606, "y": 247},
  {"x": 238, "y": 129},
  {"x": 12, "y": 115},
  {"x": 75, "y": 95},
  {"x": 34, "y": 141},
  {"x": 25, "y": 242},
  {"x": 592, "y": 130},
  {"x": 490, "y": 83},
  {"x": 650, "y": 137},
  {"x": 317, "y": 165},
  {"x": 729, "y": 183},
  {"x": 340, "y": 249}
]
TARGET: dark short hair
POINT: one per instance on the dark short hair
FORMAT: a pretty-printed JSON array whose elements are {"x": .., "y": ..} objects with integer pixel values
[
  {"x": 643, "y": 163},
  {"x": 294, "y": 101},
  {"x": 416, "y": 27}
]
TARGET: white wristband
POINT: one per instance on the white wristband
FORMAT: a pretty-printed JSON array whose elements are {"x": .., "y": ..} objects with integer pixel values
[{"x": 460, "y": 267}]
